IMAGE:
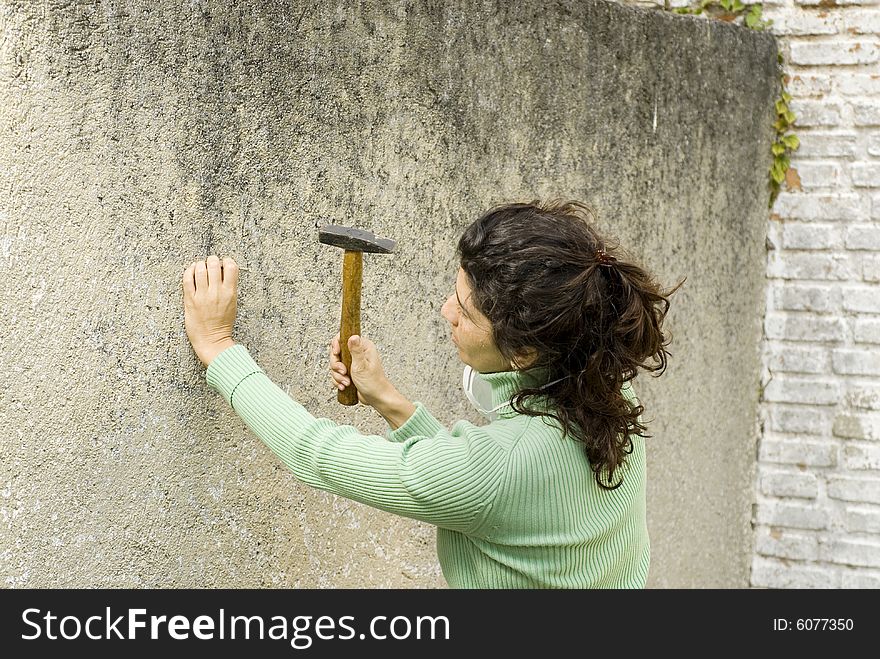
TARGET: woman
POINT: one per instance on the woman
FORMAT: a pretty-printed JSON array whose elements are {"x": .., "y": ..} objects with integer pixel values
[{"x": 551, "y": 492}]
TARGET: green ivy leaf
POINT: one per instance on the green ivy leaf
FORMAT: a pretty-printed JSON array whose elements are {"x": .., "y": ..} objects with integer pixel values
[
  {"x": 790, "y": 116},
  {"x": 786, "y": 97},
  {"x": 777, "y": 174},
  {"x": 737, "y": 5},
  {"x": 778, "y": 148},
  {"x": 781, "y": 107},
  {"x": 791, "y": 141}
]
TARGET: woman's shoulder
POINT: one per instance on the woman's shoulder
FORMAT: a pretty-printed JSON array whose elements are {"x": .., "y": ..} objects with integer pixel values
[{"x": 506, "y": 431}]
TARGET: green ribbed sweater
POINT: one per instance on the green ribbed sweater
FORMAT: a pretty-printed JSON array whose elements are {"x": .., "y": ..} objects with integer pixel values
[{"x": 515, "y": 505}]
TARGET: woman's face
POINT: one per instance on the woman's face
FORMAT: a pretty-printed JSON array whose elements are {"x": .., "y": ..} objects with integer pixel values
[{"x": 471, "y": 331}]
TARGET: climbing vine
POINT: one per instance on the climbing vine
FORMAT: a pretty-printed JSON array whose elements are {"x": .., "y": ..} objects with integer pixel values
[{"x": 786, "y": 141}]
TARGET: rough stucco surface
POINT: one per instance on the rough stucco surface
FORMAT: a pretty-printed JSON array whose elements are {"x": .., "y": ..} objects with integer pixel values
[{"x": 136, "y": 137}]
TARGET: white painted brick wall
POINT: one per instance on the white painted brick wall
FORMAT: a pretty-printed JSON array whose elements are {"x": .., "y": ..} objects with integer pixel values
[
  {"x": 780, "y": 573},
  {"x": 850, "y": 552},
  {"x": 853, "y": 425},
  {"x": 856, "y": 362},
  {"x": 797, "y": 451},
  {"x": 789, "y": 483},
  {"x": 866, "y": 330},
  {"x": 787, "y": 544},
  {"x": 862, "y": 520},
  {"x": 852, "y": 488},
  {"x": 817, "y": 496}
]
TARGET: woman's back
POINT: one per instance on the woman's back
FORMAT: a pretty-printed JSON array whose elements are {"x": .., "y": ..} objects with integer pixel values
[{"x": 549, "y": 524}]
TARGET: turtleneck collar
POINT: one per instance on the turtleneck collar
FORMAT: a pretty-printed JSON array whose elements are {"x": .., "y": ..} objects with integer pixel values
[{"x": 506, "y": 383}]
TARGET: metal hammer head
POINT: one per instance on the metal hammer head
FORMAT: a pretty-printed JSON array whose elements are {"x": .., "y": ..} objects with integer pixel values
[{"x": 354, "y": 240}]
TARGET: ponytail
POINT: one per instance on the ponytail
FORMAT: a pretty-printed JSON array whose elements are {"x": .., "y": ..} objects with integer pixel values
[{"x": 547, "y": 281}]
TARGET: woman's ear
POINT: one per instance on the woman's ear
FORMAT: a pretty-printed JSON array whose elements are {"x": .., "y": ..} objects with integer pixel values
[{"x": 524, "y": 359}]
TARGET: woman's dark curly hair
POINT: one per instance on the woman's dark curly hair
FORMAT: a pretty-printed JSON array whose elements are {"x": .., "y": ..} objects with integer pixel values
[{"x": 537, "y": 273}]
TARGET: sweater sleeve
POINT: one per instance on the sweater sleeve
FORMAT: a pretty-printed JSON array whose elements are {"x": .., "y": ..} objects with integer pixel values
[
  {"x": 422, "y": 422},
  {"x": 419, "y": 470}
]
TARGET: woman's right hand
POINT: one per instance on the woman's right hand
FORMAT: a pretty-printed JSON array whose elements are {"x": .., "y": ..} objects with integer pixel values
[{"x": 373, "y": 386}]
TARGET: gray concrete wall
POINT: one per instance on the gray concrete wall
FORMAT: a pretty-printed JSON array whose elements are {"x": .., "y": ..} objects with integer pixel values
[{"x": 136, "y": 137}]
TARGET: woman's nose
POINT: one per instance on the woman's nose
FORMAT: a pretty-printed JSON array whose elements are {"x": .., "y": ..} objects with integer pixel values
[{"x": 446, "y": 310}]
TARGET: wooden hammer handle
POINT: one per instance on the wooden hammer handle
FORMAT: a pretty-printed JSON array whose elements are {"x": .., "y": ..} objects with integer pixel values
[{"x": 350, "y": 324}]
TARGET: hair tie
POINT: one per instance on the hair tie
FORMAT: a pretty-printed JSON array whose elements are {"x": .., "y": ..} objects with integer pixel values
[{"x": 605, "y": 258}]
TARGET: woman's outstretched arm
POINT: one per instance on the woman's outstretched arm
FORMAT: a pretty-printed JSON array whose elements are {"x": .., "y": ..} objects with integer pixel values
[{"x": 424, "y": 472}]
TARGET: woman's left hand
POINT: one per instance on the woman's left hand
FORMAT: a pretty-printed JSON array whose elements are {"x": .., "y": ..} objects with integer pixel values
[{"x": 210, "y": 289}]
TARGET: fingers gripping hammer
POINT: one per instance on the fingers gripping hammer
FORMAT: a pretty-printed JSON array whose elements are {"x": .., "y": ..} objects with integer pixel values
[{"x": 355, "y": 242}]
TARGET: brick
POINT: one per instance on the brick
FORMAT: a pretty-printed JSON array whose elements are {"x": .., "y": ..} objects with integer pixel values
[
  {"x": 853, "y": 425},
  {"x": 856, "y": 362},
  {"x": 799, "y": 419},
  {"x": 836, "y": 53},
  {"x": 866, "y": 330},
  {"x": 815, "y": 144},
  {"x": 816, "y": 113},
  {"x": 792, "y": 515},
  {"x": 811, "y": 236},
  {"x": 861, "y": 579},
  {"x": 857, "y": 84},
  {"x": 789, "y": 23},
  {"x": 837, "y": 3},
  {"x": 789, "y": 484},
  {"x": 862, "y": 396},
  {"x": 809, "y": 84},
  {"x": 806, "y": 297},
  {"x": 775, "y": 573},
  {"x": 862, "y": 236},
  {"x": 866, "y": 174},
  {"x": 865, "y": 114},
  {"x": 862, "y": 22},
  {"x": 864, "y": 299},
  {"x": 861, "y": 490},
  {"x": 803, "y": 327},
  {"x": 796, "y": 359},
  {"x": 798, "y": 452},
  {"x": 794, "y": 265},
  {"x": 871, "y": 269},
  {"x": 864, "y": 553},
  {"x": 659, "y": 3},
  {"x": 785, "y": 544},
  {"x": 813, "y": 175},
  {"x": 821, "y": 207},
  {"x": 862, "y": 457},
  {"x": 799, "y": 391},
  {"x": 874, "y": 143},
  {"x": 858, "y": 520}
]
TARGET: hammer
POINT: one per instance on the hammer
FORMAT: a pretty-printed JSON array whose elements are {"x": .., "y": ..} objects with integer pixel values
[{"x": 355, "y": 242}]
